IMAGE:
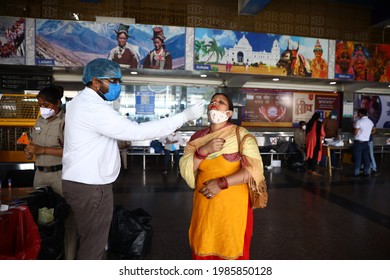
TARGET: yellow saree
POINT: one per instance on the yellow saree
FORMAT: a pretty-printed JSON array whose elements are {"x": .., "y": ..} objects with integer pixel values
[{"x": 218, "y": 225}]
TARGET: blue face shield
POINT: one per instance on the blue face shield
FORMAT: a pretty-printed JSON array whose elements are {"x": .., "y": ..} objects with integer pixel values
[{"x": 114, "y": 90}]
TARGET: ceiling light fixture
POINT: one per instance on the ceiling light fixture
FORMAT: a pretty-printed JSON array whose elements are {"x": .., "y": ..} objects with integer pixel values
[
  {"x": 288, "y": 86},
  {"x": 275, "y": 79},
  {"x": 134, "y": 73},
  {"x": 332, "y": 83},
  {"x": 203, "y": 76}
]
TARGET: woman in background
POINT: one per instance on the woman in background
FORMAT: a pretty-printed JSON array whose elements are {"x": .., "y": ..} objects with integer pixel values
[
  {"x": 314, "y": 135},
  {"x": 222, "y": 218}
]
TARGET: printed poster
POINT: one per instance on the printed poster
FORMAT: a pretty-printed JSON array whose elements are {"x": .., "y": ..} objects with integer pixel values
[
  {"x": 268, "y": 108},
  {"x": 144, "y": 102},
  {"x": 377, "y": 106}
]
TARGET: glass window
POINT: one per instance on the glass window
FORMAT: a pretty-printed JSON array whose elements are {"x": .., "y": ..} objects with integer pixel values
[{"x": 152, "y": 102}]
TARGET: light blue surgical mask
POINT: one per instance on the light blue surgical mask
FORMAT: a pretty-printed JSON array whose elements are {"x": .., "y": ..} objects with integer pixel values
[{"x": 114, "y": 90}]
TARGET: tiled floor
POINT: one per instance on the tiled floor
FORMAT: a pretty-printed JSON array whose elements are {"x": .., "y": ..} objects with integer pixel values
[{"x": 308, "y": 217}]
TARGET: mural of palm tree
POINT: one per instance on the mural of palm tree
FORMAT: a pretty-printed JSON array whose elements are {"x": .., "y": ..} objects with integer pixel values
[
  {"x": 212, "y": 48},
  {"x": 200, "y": 47}
]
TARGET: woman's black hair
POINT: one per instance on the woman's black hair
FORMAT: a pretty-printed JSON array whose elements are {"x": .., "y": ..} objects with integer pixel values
[
  {"x": 310, "y": 123},
  {"x": 230, "y": 102},
  {"x": 52, "y": 93}
]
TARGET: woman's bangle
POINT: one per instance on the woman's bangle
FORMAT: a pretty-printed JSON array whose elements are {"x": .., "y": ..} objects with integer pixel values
[
  {"x": 222, "y": 183},
  {"x": 199, "y": 155}
]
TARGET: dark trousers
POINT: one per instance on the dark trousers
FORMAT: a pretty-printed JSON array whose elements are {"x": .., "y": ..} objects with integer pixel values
[
  {"x": 361, "y": 153},
  {"x": 312, "y": 162},
  {"x": 92, "y": 206},
  {"x": 167, "y": 155}
]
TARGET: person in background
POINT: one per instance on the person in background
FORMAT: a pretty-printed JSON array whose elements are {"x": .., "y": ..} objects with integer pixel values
[
  {"x": 362, "y": 131},
  {"x": 124, "y": 53},
  {"x": 222, "y": 217},
  {"x": 331, "y": 127},
  {"x": 314, "y": 136},
  {"x": 159, "y": 58},
  {"x": 47, "y": 140},
  {"x": 91, "y": 160},
  {"x": 123, "y": 147},
  {"x": 172, "y": 143},
  {"x": 367, "y": 103},
  {"x": 373, "y": 166},
  {"x": 300, "y": 141}
]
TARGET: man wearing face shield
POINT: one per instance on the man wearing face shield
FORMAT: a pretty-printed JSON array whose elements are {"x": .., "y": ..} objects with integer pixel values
[{"x": 91, "y": 159}]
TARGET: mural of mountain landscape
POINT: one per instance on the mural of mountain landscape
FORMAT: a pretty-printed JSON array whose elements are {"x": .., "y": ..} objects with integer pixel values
[{"x": 74, "y": 43}]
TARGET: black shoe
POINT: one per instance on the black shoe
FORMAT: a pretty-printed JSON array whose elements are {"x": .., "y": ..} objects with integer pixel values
[
  {"x": 366, "y": 175},
  {"x": 354, "y": 176},
  {"x": 164, "y": 171},
  {"x": 374, "y": 173}
]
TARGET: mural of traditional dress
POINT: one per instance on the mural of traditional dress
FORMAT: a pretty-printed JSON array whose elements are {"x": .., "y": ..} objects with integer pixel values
[
  {"x": 362, "y": 61},
  {"x": 75, "y": 43}
]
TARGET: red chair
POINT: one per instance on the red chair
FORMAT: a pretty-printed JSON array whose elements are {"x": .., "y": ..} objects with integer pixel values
[{"x": 19, "y": 235}]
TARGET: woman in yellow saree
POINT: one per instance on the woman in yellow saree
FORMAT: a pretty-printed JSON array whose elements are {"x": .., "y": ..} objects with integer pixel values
[{"x": 222, "y": 218}]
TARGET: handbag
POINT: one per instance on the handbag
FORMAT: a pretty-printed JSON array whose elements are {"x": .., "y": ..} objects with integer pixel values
[{"x": 258, "y": 193}]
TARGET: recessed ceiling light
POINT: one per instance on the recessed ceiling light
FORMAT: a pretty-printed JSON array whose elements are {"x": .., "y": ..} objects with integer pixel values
[
  {"x": 76, "y": 16},
  {"x": 203, "y": 75},
  {"x": 332, "y": 83},
  {"x": 275, "y": 79},
  {"x": 134, "y": 73}
]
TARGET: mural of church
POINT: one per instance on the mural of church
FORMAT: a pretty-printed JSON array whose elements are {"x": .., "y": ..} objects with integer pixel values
[{"x": 242, "y": 54}]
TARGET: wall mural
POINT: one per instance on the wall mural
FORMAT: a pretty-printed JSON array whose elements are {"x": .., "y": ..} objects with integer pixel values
[
  {"x": 362, "y": 62},
  {"x": 12, "y": 40},
  {"x": 75, "y": 43},
  {"x": 257, "y": 53}
]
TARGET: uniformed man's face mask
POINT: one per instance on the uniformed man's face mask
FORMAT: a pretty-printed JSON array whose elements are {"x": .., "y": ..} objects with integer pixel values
[{"x": 47, "y": 112}]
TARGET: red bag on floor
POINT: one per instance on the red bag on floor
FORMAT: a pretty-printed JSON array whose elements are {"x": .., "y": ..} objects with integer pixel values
[{"x": 19, "y": 235}]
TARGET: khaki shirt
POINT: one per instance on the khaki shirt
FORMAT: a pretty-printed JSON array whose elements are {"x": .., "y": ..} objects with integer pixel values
[{"x": 49, "y": 133}]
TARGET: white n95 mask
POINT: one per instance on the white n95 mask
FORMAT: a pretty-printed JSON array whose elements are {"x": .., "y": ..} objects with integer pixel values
[{"x": 46, "y": 112}]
